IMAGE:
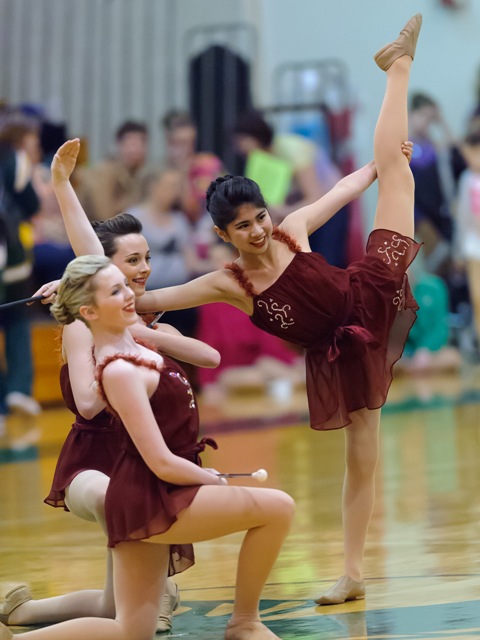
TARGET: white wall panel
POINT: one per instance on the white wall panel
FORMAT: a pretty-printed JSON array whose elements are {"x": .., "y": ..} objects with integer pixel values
[{"x": 92, "y": 63}]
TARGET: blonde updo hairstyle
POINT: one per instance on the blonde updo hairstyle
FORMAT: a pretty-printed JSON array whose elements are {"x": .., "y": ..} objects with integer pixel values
[{"x": 77, "y": 288}]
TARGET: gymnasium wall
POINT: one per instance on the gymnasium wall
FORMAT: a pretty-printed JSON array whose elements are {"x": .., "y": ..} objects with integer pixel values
[{"x": 96, "y": 62}]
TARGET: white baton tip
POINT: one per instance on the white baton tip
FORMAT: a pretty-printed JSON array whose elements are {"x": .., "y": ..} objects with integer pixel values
[{"x": 261, "y": 475}]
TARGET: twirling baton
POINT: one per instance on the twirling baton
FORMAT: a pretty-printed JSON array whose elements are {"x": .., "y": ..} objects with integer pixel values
[{"x": 7, "y": 305}]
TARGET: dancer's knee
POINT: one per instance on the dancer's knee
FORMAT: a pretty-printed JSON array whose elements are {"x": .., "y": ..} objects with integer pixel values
[
  {"x": 107, "y": 607},
  {"x": 396, "y": 176},
  {"x": 86, "y": 496},
  {"x": 283, "y": 508},
  {"x": 139, "y": 630},
  {"x": 362, "y": 465}
]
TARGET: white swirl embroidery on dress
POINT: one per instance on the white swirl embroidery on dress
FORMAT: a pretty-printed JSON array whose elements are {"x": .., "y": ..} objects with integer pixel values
[
  {"x": 184, "y": 381},
  {"x": 280, "y": 314},
  {"x": 394, "y": 251},
  {"x": 399, "y": 300}
]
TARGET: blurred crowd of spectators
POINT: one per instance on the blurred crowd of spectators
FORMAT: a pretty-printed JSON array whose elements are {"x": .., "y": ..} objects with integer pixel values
[{"x": 168, "y": 197}]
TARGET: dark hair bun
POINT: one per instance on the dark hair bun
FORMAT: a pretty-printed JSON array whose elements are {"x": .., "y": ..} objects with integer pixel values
[{"x": 213, "y": 187}]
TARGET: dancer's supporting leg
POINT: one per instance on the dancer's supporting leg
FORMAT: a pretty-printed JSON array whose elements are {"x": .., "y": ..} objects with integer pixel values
[
  {"x": 140, "y": 567},
  {"x": 85, "y": 498},
  {"x": 394, "y": 212},
  {"x": 361, "y": 457}
]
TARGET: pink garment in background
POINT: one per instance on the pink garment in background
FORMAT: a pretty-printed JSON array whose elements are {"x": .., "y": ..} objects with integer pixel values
[{"x": 239, "y": 342}]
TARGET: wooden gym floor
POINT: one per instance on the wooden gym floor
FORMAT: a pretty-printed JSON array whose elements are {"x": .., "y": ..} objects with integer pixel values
[{"x": 423, "y": 553}]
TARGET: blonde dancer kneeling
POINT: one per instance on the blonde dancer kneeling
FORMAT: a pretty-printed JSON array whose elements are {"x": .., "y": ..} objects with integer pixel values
[{"x": 173, "y": 502}]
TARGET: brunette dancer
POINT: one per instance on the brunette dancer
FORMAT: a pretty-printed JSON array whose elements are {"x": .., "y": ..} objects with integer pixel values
[
  {"x": 354, "y": 322},
  {"x": 172, "y": 502},
  {"x": 91, "y": 448}
]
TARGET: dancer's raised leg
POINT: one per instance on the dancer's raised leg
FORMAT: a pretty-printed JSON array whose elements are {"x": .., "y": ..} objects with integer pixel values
[
  {"x": 395, "y": 213},
  {"x": 395, "y": 179}
]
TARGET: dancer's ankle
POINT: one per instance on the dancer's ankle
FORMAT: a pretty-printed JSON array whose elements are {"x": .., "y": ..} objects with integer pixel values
[
  {"x": 240, "y": 618},
  {"x": 354, "y": 574},
  {"x": 403, "y": 63}
]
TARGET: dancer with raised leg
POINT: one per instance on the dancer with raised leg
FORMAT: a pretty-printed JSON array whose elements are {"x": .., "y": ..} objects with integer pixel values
[
  {"x": 354, "y": 322},
  {"x": 159, "y": 499}
]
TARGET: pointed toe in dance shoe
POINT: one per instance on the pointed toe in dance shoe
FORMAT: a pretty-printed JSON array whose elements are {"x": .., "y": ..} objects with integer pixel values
[
  {"x": 343, "y": 590},
  {"x": 12, "y": 601},
  {"x": 404, "y": 45},
  {"x": 5, "y": 633},
  {"x": 169, "y": 603}
]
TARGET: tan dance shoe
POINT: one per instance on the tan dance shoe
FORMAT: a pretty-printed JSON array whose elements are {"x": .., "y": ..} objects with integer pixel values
[
  {"x": 343, "y": 590},
  {"x": 5, "y": 633},
  {"x": 13, "y": 599},
  {"x": 170, "y": 602},
  {"x": 404, "y": 45}
]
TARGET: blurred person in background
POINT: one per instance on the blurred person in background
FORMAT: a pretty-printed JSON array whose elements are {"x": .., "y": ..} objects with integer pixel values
[
  {"x": 436, "y": 165},
  {"x": 168, "y": 233},
  {"x": 429, "y": 346},
  {"x": 51, "y": 251},
  {"x": 203, "y": 168},
  {"x": 468, "y": 225},
  {"x": 196, "y": 169},
  {"x": 473, "y": 124},
  {"x": 3, "y": 262},
  {"x": 114, "y": 184},
  {"x": 180, "y": 138},
  {"x": 312, "y": 175},
  {"x": 18, "y": 203}
]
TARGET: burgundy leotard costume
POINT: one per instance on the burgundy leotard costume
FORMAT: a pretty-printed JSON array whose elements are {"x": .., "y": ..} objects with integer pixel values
[
  {"x": 353, "y": 322},
  {"x": 90, "y": 444},
  {"x": 138, "y": 504}
]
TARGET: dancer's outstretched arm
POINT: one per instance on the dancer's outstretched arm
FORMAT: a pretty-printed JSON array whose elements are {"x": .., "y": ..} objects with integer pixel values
[
  {"x": 304, "y": 221},
  {"x": 165, "y": 338},
  {"x": 218, "y": 286},
  {"x": 171, "y": 342},
  {"x": 308, "y": 219},
  {"x": 80, "y": 232}
]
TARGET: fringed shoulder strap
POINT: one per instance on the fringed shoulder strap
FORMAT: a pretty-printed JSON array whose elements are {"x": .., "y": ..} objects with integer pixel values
[
  {"x": 239, "y": 273},
  {"x": 241, "y": 278},
  {"x": 286, "y": 238},
  {"x": 134, "y": 359}
]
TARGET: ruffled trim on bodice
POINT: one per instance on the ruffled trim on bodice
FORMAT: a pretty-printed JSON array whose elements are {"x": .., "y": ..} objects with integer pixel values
[
  {"x": 135, "y": 359},
  {"x": 239, "y": 273}
]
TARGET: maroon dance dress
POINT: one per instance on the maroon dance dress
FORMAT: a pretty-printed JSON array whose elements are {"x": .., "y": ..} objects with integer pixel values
[
  {"x": 138, "y": 504},
  {"x": 90, "y": 444},
  {"x": 353, "y": 322}
]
